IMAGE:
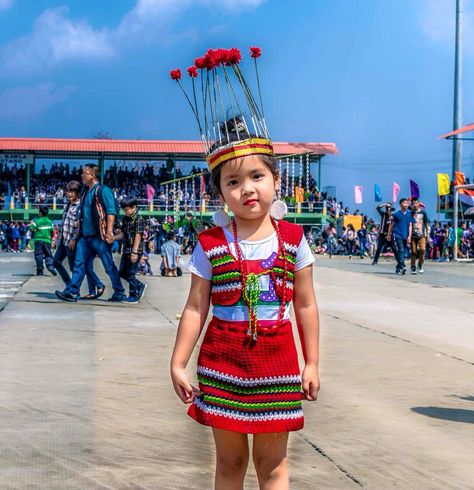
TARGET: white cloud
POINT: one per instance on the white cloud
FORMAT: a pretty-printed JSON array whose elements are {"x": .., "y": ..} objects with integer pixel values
[
  {"x": 21, "y": 104},
  {"x": 55, "y": 38},
  {"x": 5, "y": 4},
  {"x": 438, "y": 21}
]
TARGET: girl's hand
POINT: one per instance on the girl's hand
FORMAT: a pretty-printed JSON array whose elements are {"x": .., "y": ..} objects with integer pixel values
[
  {"x": 310, "y": 382},
  {"x": 182, "y": 386}
]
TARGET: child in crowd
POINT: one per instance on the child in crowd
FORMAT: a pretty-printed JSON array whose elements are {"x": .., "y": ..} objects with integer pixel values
[
  {"x": 43, "y": 230},
  {"x": 131, "y": 233},
  {"x": 170, "y": 253},
  {"x": 144, "y": 267}
]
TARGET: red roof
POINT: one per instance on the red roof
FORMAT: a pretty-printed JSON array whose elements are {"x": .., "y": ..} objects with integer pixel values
[
  {"x": 465, "y": 129},
  {"x": 134, "y": 148}
]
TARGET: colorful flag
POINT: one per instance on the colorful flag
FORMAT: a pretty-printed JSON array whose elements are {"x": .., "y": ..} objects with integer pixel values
[
  {"x": 378, "y": 193},
  {"x": 443, "y": 184},
  {"x": 466, "y": 196},
  {"x": 299, "y": 194},
  {"x": 358, "y": 194},
  {"x": 395, "y": 191},
  {"x": 150, "y": 192},
  {"x": 414, "y": 190}
]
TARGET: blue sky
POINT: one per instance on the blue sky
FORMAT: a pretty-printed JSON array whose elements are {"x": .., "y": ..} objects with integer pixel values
[{"x": 375, "y": 77}]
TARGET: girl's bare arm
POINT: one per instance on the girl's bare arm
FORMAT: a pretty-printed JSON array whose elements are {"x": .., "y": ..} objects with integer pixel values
[{"x": 190, "y": 326}]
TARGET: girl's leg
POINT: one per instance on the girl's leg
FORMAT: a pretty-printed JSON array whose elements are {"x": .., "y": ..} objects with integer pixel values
[
  {"x": 232, "y": 451},
  {"x": 271, "y": 464}
]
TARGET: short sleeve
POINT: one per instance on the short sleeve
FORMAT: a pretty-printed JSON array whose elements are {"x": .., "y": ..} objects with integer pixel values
[
  {"x": 304, "y": 256},
  {"x": 199, "y": 264},
  {"x": 108, "y": 200}
]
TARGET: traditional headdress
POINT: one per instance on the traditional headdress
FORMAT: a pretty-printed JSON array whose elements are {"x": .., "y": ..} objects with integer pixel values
[{"x": 225, "y": 131}]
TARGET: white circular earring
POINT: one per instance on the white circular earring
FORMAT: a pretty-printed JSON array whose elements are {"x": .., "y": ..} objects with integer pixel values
[
  {"x": 221, "y": 218},
  {"x": 279, "y": 209}
]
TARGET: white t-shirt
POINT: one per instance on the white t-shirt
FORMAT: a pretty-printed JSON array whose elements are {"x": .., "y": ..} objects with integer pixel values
[{"x": 260, "y": 252}]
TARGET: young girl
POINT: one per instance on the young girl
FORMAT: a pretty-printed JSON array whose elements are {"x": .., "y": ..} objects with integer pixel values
[
  {"x": 249, "y": 384},
  {"x": 250, "y": 268}
]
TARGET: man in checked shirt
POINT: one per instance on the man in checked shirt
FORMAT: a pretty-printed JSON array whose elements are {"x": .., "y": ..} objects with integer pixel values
[{"x": 66, "y": 246}]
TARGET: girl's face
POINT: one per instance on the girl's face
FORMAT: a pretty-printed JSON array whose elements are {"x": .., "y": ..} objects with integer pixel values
[{"x": 247, "y": 186}]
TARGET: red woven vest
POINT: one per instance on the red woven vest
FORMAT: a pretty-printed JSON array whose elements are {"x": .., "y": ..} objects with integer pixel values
[{"x": 227, "y": 282}]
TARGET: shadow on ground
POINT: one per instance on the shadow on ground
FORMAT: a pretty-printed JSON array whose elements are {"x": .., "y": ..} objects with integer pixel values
[{"x": 452, "y": 414}]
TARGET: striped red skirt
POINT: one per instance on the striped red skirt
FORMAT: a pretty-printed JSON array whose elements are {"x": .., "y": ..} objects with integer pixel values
[{"x": 248, "y": 386}]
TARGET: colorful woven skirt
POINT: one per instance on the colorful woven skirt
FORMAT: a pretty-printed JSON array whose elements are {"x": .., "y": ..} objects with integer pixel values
[{"x": 248, "y": 386}]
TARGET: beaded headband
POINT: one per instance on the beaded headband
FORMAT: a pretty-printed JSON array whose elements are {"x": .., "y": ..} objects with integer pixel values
[{"x": 224, "y": 91}]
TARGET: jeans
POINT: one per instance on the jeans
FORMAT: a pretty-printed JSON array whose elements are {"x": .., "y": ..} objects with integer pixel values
[
  {"x": 63, "y": 252},
  {"x": 400, "y": 245},
  {"x": 362, "y": 246},
  {"x": 86, "y": 248},
  {"x": 128, "y": 271},
  {"x": 43, "y": 252},
  {"x": 382, "y": 242}
]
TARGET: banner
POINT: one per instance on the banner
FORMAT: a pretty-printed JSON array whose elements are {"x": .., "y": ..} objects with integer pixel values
[
  {"x": 150, "y": 192},
  {"x": 395, "y": 191},
  {"x": 378, "y": 193},
  {"x": 466, "y": 196},
  {"x": 358, "y": 194},
  {"x": 414, "y": 190},
  {"x": 443, "y": 184},
  {"x": 299, "y": 194}
]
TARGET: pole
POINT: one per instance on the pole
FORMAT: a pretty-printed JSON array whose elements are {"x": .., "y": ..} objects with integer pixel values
[
  {"x": 320, "y": 188},
  {"x": 456, "y": 203},
  {"x": 101, "y": 167},
  {"x": 457, "y": 120}
]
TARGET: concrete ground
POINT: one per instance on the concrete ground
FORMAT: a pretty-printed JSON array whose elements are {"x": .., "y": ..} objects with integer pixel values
[{"x": 86, "y": 401}]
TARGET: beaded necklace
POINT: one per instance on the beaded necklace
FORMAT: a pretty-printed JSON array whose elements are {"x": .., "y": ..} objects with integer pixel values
[{"x": 251, "y": 284}]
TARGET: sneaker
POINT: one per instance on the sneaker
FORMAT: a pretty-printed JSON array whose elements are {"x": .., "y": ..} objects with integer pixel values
[
  {"x": 420, "y": 269},
  {"x": 142, "y": 290},
  {"x": 374, "y": 262},
  {"x": 404, "y": 271},
  {"x": 53, "y": 271},
  {"x": 66, "y": 296},
  {"x": 118, "y": 297},
  {"x": 413, "y": 270},
  {"x": 130, "y": 300}
]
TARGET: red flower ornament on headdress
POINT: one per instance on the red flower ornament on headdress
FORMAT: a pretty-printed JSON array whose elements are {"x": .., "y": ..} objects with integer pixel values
[
  {"x": 255, "y": 52},
  {"x": 233, "y": 56},
  {"x": 175, "y": 74},
  {"x": 192, "y": 72},
  {"x": 200, "y": 62}
]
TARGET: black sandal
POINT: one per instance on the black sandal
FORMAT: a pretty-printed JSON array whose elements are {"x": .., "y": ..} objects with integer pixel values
[{"x": 99, "y": 292}]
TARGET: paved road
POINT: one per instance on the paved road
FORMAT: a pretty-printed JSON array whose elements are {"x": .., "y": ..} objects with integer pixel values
[
  {"x": 86, "y": 400},
  {"x": 15, "y": 269}
]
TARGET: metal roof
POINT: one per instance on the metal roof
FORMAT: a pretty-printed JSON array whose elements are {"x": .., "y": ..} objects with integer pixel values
[
  {"x": 138, "y": 149},
  {"x": 464, "y": 129}
]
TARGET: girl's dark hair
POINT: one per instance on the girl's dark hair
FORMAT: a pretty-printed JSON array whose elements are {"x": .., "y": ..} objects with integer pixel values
[{"x": 237, "y": 132}]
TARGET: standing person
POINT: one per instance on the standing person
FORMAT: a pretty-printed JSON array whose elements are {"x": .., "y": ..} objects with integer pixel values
[
  {"x": 133, "y": 227},
  {"x": 362, "y": 235},
  {"x": 386, "y": 221},
  {"x": 250, "y": 268},
  {"x": 331, "y": 236},
  {"x": 401, "y": 230},
  {"x": 350, "y": 239},
  {"x": 98, "y": 213},
  {"x": 170, "y": 253},
  {"x": 67, "y": 240},
  {"x": 419, "y": 235},
  {"x": 242, "y": 268},
  {"x": 43, "y": 230}
]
